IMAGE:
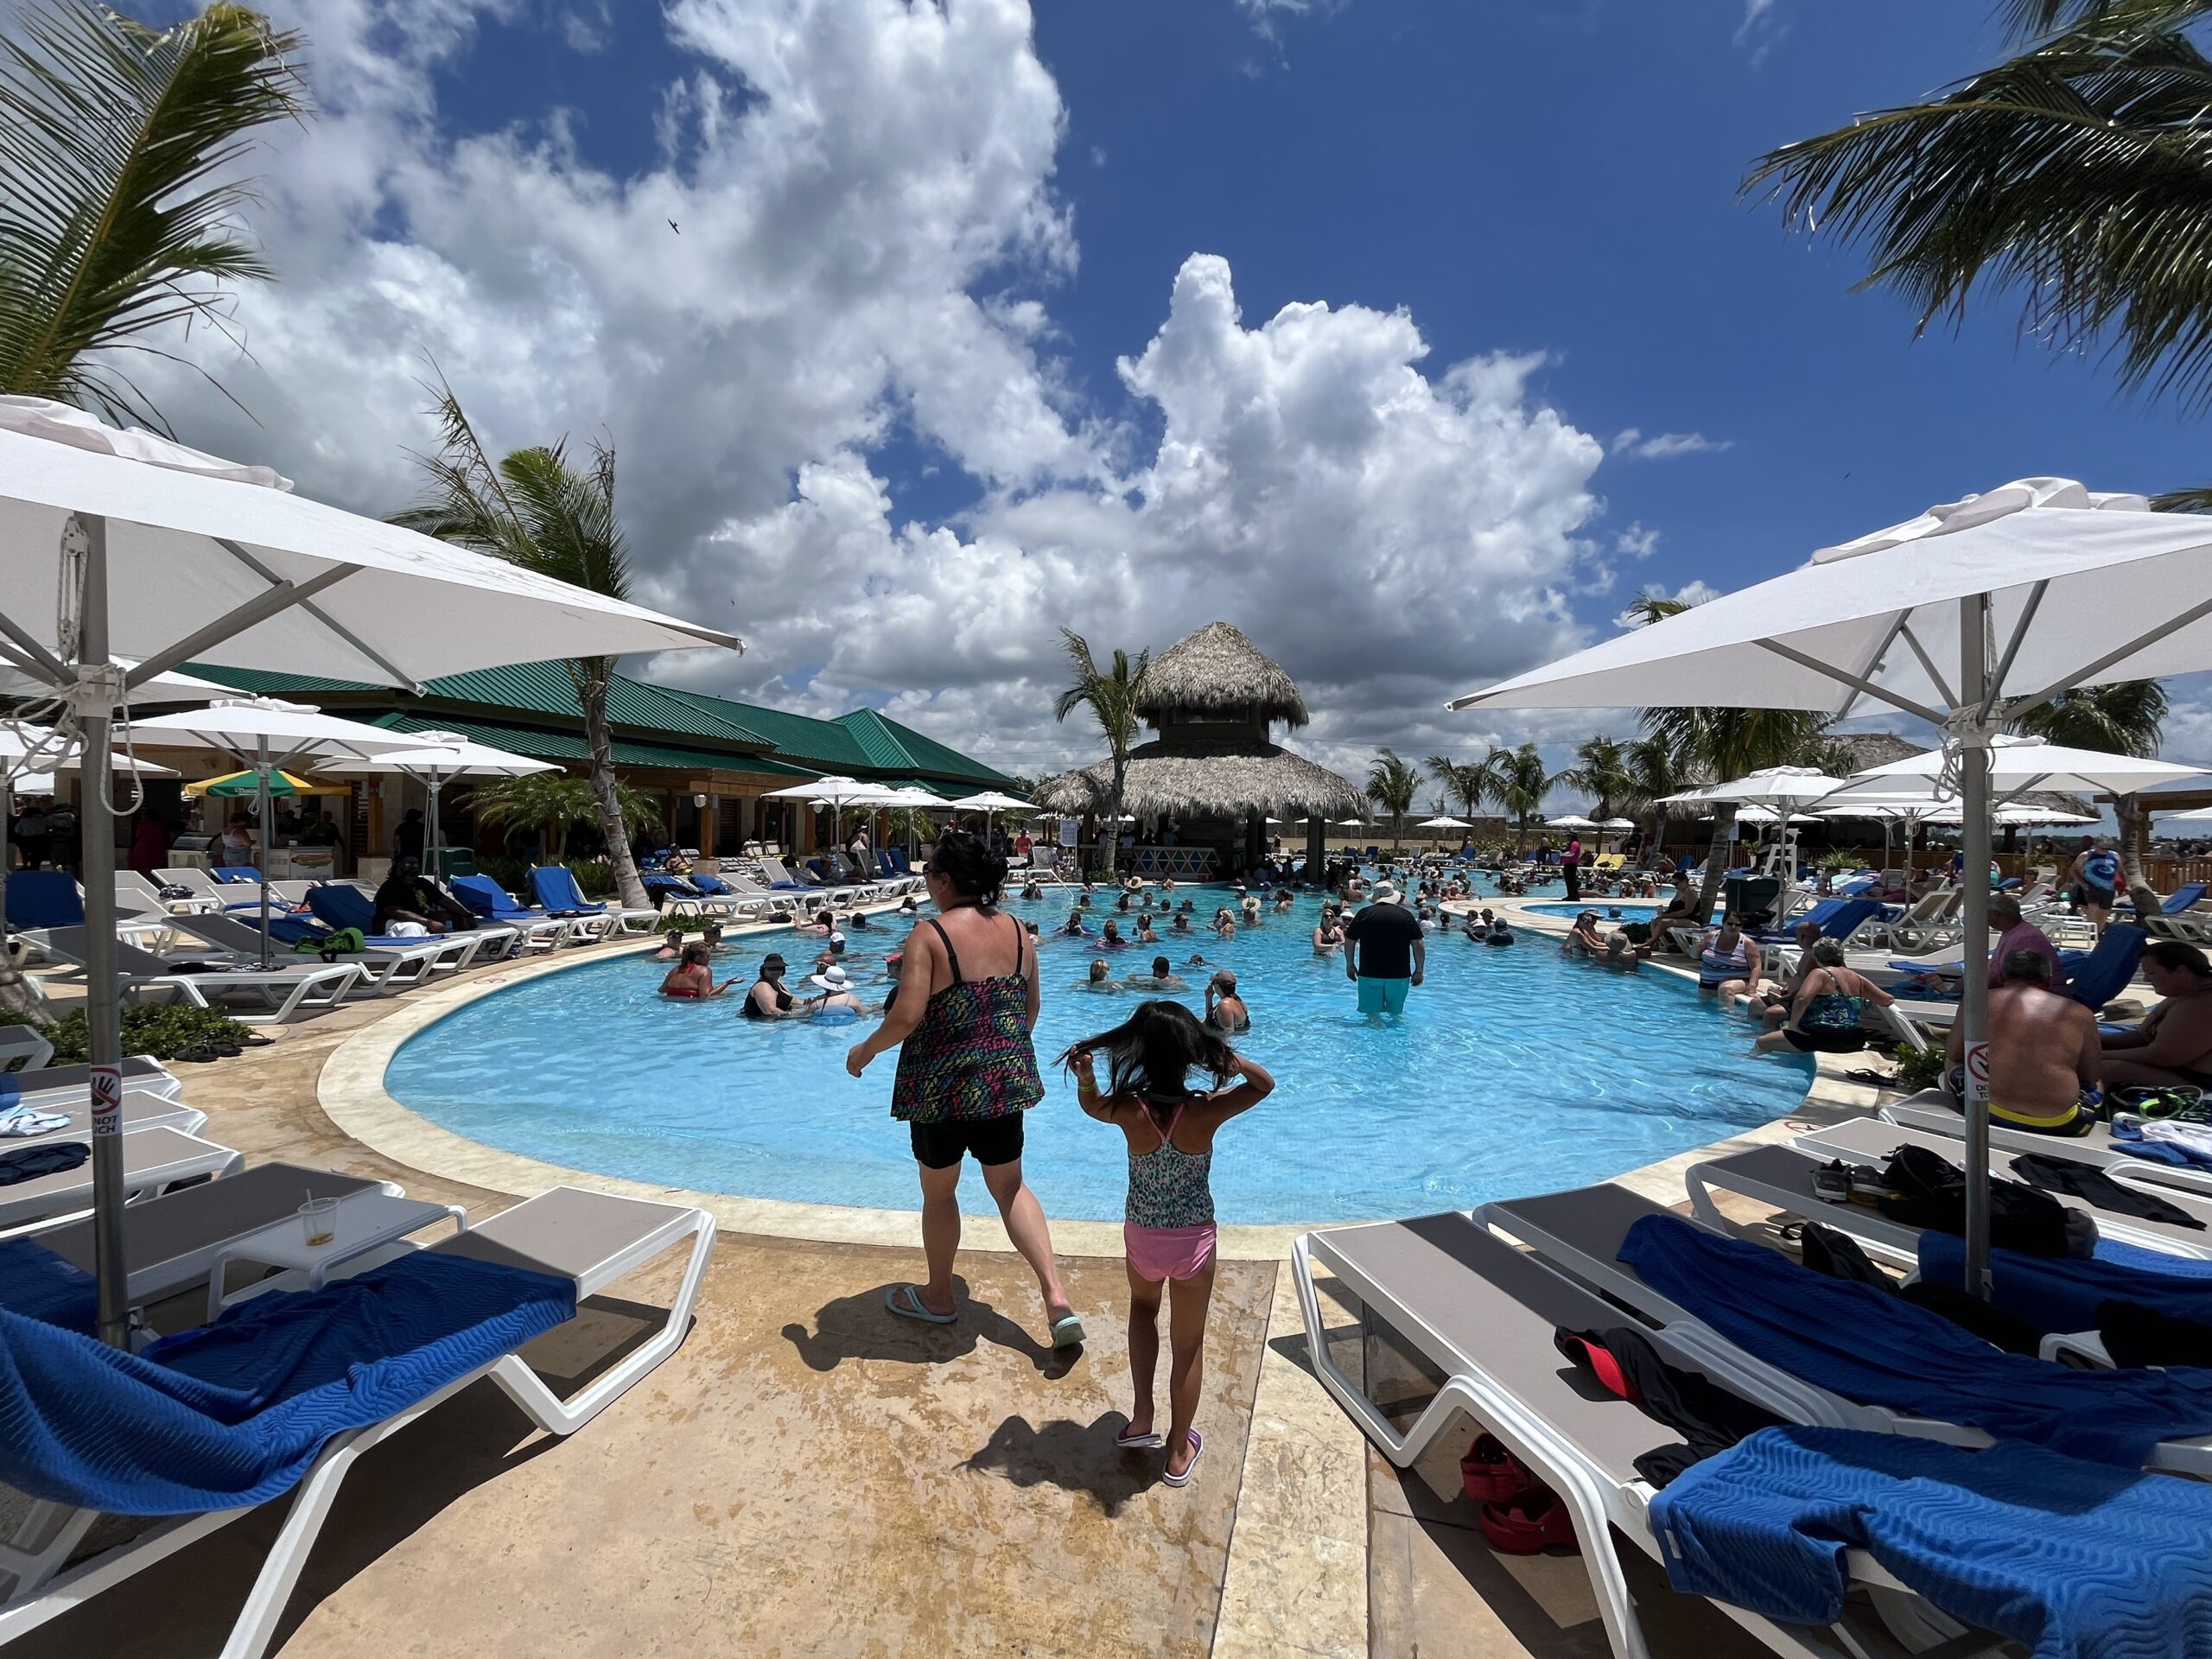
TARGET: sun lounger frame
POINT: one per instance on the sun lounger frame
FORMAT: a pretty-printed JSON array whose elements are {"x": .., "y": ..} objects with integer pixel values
[{"x": 42, "y": 1590}]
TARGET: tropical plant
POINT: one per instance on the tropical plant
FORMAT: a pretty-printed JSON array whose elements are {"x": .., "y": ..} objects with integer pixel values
[
  {"x": 536, "y": 509},
  {"x": 549, "y": 802},
  {"x": 1465, "y": 783},
  {"x": 1654, "y": 774},
  {"x": 1601, "y": 770},
  {"x": 120, "y": 146},
  {"x": 1392, "y": 783},
  {"x": 1112, "y": 696},
  {"x": 2072, "y": 173},
  {"x": 163, "y": 1030},
  {"x": 1518, "y": 783},
  {"x": 2126, "y": 717}
]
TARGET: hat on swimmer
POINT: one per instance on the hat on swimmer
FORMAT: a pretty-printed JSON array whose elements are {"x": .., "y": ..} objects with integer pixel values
[
  {"x": 831, "y": 979},
  {"x": 1384, "y": 890}
]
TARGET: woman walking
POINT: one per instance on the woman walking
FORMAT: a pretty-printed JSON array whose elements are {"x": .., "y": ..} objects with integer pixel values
[
  {"x": 1169, "y": 1232},
  {"x": 967, "y": 1003}
]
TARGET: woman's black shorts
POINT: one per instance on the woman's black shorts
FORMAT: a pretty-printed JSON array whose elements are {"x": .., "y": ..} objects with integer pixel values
[{"x": 990, "y": 1141}]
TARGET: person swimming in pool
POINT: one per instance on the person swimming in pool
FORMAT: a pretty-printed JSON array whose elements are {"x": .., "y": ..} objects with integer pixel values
[
  {"x": 1328, "y": 932},
  {"x": 1163, "y": 977},
  {"x": 1180, "y": 925},
  {"x": 1075, "y": 929},
  {"x": 768, "y": 1000},
  {"x": 691, "y": 978},
  {"x": 1030, "y": 890},
  {"x": 1225, "y": 1009},
  {"x": 671, "y": 943},
  {"x": 1112, "y": 939},
  {"x": 1145, "y": 934},
  {"x": 836, "y": 1002},
  {"x": 1283, "y": 900},
  {"x": 1100, "y": 977}
]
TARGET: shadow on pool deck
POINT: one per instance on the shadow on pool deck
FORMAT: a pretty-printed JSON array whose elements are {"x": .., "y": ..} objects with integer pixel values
[{"x": 806, "y": 1475}]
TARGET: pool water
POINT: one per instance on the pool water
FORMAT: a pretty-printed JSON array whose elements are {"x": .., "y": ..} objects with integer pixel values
[
  {"x": 1609, "y": 909},
  {"x": 1513, "y": 1071}
]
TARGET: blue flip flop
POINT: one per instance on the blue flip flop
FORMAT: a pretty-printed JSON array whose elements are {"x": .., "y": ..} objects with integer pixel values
[
  {"x": 1067, "y": 1332},
  {"x": 905, "y": 1301}
]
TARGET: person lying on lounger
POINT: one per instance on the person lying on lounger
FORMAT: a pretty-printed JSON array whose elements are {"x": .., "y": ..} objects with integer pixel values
[{"x": 2174, "y": 1043}]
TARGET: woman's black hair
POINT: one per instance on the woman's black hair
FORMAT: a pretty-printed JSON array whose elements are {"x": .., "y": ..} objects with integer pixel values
[
  {"x": 965, "y": 859},
  {"x": 1154, "y": 1050}
]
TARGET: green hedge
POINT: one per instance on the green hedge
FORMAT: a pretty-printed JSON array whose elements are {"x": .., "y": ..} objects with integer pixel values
[{"x": 165, "y": 1031}]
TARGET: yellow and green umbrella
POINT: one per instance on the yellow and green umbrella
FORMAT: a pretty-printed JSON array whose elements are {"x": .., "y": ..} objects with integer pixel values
[{"x": 234, "y": 784}]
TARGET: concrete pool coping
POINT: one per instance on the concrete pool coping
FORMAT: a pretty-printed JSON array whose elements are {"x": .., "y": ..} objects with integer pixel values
[{"x": 352, "y": 1093}]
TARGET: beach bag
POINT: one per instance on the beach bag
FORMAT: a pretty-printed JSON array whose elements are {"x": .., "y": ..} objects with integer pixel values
[
  {"x": 174, "y": 890},
  {"x": 1928, "y": 1190}
]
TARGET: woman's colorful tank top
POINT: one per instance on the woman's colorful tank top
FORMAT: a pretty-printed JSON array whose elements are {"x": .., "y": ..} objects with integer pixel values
[{"x": 971, "y": 1059}]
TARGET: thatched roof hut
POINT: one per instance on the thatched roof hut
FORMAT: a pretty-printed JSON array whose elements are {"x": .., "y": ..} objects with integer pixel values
[
  {"x": 1183, "y": 779},
  {"x": 1217, "y": 672}
]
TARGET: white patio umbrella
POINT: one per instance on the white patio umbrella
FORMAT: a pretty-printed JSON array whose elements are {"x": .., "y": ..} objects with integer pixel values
[
  {"x": 273, "y": 733},
  {"x": 122, "y": 546},
  {"x": 1571, "y": 821},
  {"x": 1970, "y": 616},
  {"x": 2018, "y": 765},
  {"x": 1444, "y": 824},
  {"x": 442, "y": 758}
]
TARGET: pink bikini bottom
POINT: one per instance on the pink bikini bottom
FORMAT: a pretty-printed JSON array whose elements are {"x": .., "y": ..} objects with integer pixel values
[{"x": 1158, "y": 1253}]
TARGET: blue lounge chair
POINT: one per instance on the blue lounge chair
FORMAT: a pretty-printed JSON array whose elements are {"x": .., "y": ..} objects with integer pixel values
[
  {"x": 286, "y": 1391},
  {"x": 495, "y": 903},
  {"x": 244, "y": 875},
  {"x": 555, "y": 886},
  {"x": 2094, "y": 977},
  {"x": 44, "y": 898},
  {"x": 336, "y": 905},
  {"x": 1837, "y": 918}
]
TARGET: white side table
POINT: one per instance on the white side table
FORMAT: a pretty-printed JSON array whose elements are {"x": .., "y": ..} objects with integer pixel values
[{"x": 362, "y": 1222}]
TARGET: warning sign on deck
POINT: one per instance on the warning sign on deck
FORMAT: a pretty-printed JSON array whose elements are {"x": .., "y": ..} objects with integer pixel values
[{"x": 1978, "y": 1072}]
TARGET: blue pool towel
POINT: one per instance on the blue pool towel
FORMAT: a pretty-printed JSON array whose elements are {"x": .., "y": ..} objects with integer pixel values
[
  {"x": 40, "y": 1285},
  {"x": 234, "y": 1413},
  {"x": 2055, "y": 1293},
  {"x": 1870, "y": 1346},
  {"x": 2071, "y": 1560}
]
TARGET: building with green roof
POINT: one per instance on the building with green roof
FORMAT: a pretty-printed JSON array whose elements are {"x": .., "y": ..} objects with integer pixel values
[{"x": 712, "y": 759}]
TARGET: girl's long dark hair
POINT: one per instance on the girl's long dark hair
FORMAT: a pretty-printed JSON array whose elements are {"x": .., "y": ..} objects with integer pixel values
[{"x": 1153, "y": 1052}]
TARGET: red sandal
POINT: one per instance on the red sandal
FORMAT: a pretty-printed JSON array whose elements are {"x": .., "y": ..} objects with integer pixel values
[
  {"x": 1529, "y": 1524},
  {"x": 1491, "y": 1474}
]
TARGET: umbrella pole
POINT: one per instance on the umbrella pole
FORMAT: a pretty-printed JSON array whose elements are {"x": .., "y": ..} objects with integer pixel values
[
  {"x": 261, "y": 775},
  {"x": 437, "y": 839},
  {"x": 103, "y": 998},
  {"x": 1974, "y": 809}
]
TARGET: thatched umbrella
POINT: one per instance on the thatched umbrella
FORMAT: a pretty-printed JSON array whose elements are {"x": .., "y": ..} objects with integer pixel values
[
  {"x": 1186, "y": 779},
  {"x": 1217, "y": 670}
]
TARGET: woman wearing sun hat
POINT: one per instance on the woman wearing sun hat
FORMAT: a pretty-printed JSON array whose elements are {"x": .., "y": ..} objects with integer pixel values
[{"x": 836, "y": 1002}]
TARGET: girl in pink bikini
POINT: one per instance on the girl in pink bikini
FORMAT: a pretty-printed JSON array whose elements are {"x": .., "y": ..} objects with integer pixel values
[{"x": 1169, "y": 1233}]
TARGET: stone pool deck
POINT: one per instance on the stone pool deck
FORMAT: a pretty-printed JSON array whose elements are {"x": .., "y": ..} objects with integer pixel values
[{"x": 808, "y": 1475}]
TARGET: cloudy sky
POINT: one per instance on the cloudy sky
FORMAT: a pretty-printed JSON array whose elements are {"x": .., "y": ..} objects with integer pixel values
[{"x": 1414, "y": 337}]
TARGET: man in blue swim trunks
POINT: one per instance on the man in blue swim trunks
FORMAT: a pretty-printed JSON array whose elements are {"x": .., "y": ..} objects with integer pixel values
[{"x": 1384, "y": 952}]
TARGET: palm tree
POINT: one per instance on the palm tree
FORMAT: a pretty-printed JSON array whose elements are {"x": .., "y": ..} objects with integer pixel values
[
  {"x": 551, "y": 802},
  {"x": 1654, "y": 774},
  {"x": 1601, "y": 771},
  {"x": 2073, "y": 172},
  {"x": 1467, "y": 783},
  {"x": 2126, "y": 717},
  {"x": 1392, "y": 783},
  {"x": 1112, "y": 697},
  {"x": 1518, "y": 783},
  {"x": 534, "y": 509},
  {"x": 121, "y": 145}
]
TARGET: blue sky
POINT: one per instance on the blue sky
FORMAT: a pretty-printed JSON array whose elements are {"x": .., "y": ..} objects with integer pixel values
[{"x": 878, "y": 386}]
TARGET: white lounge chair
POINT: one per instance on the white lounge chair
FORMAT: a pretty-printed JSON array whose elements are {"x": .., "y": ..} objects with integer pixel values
[
  {"x": 53, "y": 1087},
  {"x": 1933, "y": 1112},
  {"x": 1479, "y": 1315},
  {"x": 283, "y": 990},
  {"x": 23, "y": 1048},
  {"x": 1581, "y": 1233},
  {"x": 171, "y": 1240},
  {"x": 134, "y": 892},
  {"x": 592, "y": 1239},
  {"x": 142, "y": 1109},
  {"x": 154, "y": 1159},
  {"x": 1782, "y": 1177},
  {"x": 385, "y": 967}
]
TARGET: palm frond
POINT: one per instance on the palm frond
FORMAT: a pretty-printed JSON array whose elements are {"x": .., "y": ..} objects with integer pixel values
[
  {"x": 119, "y": 185},
  {"x": 2075, "y": 173}
]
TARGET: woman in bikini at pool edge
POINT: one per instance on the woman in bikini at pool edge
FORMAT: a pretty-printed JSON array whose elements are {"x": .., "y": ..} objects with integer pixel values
[{"x": 968, "y": 1000}]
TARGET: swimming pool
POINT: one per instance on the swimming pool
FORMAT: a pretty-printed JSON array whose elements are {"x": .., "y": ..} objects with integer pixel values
[
  {"x": 1513, "y": 1071},
  {"x": 1609, "y": 909}
]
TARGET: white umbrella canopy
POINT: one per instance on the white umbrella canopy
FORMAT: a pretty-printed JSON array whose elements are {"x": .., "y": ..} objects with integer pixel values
[
  {"x": 1571, "y": 821},
  {"x": 174, "y": 686},
  {"x": 119, "y": 544},
  {"x": 2017, "y": 764},
  {"x": 1970, "y": 616},
  {"x": 989, "y": 800},
  {"x": 1768, "y": 814},
  {"x": 1618, "y": 823},
  {"x": 443, "y": 757},
  {"x": 1444, "y": 824},
  {"x": 1783, "y": 786}
]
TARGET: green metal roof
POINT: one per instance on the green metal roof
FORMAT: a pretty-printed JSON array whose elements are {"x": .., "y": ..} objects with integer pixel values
[
  {"x": 571, "y": 747},
  {"x": 863, "y": 743}
]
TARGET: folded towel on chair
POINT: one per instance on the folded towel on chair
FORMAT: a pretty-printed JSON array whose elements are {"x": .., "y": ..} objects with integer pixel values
[
  {"x": 234, "y": 1413},
  {"x": 1879, "y": 1350},
  {"x": 2071, "y": 1560}
]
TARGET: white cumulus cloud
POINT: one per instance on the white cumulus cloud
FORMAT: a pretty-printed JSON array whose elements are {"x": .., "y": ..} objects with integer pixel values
[
  {"x": 1631, "y": 444},
  {"x": 871, "y": 245}
]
